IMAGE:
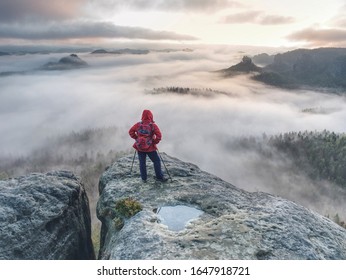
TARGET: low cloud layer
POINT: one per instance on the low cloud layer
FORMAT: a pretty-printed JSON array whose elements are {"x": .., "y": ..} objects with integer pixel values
[{"x": 249, "y": 108}]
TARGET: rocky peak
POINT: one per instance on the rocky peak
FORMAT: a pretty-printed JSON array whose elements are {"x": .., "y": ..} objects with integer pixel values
[
  {"x": 66, "y": 63},
  {"x": 226, "y": 223},
  {"x": 245, "y": 66},
  {"x": 72, "y": 59}
]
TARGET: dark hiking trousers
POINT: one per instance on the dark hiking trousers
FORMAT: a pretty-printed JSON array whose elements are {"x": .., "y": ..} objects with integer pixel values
[{"x": 154, "y": 157}]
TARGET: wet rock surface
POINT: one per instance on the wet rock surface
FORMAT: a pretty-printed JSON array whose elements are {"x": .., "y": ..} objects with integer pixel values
[
  {"x": 44, "y": 216},
  {"x": 235, "y": 224}
]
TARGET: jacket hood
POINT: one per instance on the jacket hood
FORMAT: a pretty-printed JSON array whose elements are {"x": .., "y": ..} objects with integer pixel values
[{"x": 147, "y": 115}]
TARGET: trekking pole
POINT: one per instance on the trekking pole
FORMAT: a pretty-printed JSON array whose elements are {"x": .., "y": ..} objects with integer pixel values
[
  {"x": 133, "y": 160},
  {"x": 164, "y": 165}
]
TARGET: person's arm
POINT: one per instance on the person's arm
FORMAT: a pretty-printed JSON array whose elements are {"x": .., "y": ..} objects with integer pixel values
[
  {"x": 133, "y": 131},
  {"x": 157, "y": 134}
]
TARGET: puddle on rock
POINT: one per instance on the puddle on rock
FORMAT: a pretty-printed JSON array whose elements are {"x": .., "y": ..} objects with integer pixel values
[{"x": 177, "y": 217}]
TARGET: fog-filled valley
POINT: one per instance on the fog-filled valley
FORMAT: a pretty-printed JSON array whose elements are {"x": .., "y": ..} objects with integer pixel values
[{"x": 79, "y": 119}]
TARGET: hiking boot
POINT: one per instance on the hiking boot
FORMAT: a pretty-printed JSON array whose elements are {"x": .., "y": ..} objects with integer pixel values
[
  {"x": 144, "y": 181},
  {"x": 163, "y": 180}
]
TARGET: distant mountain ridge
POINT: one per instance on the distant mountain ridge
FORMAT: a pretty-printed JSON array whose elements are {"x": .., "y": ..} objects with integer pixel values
[
  {"x": 120, "y": 51},
  {"x": 312, "y": 68},
  {"x": 138, "y": 51},
  {"x": 324, "y": 67},
  {"x": 65, "y": 63}
]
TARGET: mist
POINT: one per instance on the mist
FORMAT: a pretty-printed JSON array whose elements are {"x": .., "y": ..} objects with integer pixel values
[{"x": 114, "y": 90}]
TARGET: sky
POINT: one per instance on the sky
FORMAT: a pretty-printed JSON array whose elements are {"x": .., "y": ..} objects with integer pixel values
[{"x": 271, "y": 23}]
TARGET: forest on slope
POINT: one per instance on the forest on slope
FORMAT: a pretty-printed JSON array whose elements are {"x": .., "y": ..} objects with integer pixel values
[
  {"x": 316, "y": 68},
  {"x": 321, "y": 155}
]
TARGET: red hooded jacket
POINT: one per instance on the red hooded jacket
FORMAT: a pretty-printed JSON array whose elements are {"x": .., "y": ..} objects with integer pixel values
[{"x": 147, "y": 118}]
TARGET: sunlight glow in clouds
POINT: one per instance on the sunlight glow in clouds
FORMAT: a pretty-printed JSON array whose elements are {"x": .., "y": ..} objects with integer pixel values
[{"x": 260, "y": 23}]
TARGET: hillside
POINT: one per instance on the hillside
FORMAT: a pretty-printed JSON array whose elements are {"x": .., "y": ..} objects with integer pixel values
[
  {"x": 320, "y": 155},
  {"x": 316, "y": 68}
]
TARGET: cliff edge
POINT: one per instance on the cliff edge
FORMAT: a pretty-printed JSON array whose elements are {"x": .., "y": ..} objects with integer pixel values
[{"x": 199, "y": 216}]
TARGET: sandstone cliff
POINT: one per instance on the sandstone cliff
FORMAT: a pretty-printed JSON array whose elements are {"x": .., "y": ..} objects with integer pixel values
[
  {"x": 44, "y": 216},
  {"x": 228, "y": 223}
]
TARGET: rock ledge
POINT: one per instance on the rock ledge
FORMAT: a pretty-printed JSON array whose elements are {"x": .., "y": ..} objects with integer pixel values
[
  {"x": 235, "y": 224},
  {"x": 44, "y": 216}
]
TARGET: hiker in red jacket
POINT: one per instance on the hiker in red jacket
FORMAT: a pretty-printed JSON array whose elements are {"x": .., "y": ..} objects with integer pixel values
[{"x": 147, "y": 135}]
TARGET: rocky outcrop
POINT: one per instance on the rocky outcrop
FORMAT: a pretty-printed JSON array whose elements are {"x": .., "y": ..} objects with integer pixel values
[
  {"x": 44, "y": 216},
  {"x": 66, "y": 63},
  {"x": 245, "y": 66},
  {"x": 231, "y": 223}
]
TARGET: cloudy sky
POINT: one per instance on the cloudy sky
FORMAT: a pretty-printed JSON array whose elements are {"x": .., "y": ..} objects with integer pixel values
[{"x": 293, "y": 23}]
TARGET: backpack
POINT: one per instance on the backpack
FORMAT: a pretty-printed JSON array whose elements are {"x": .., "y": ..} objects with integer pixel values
[{"x": 144, "y": 136}]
